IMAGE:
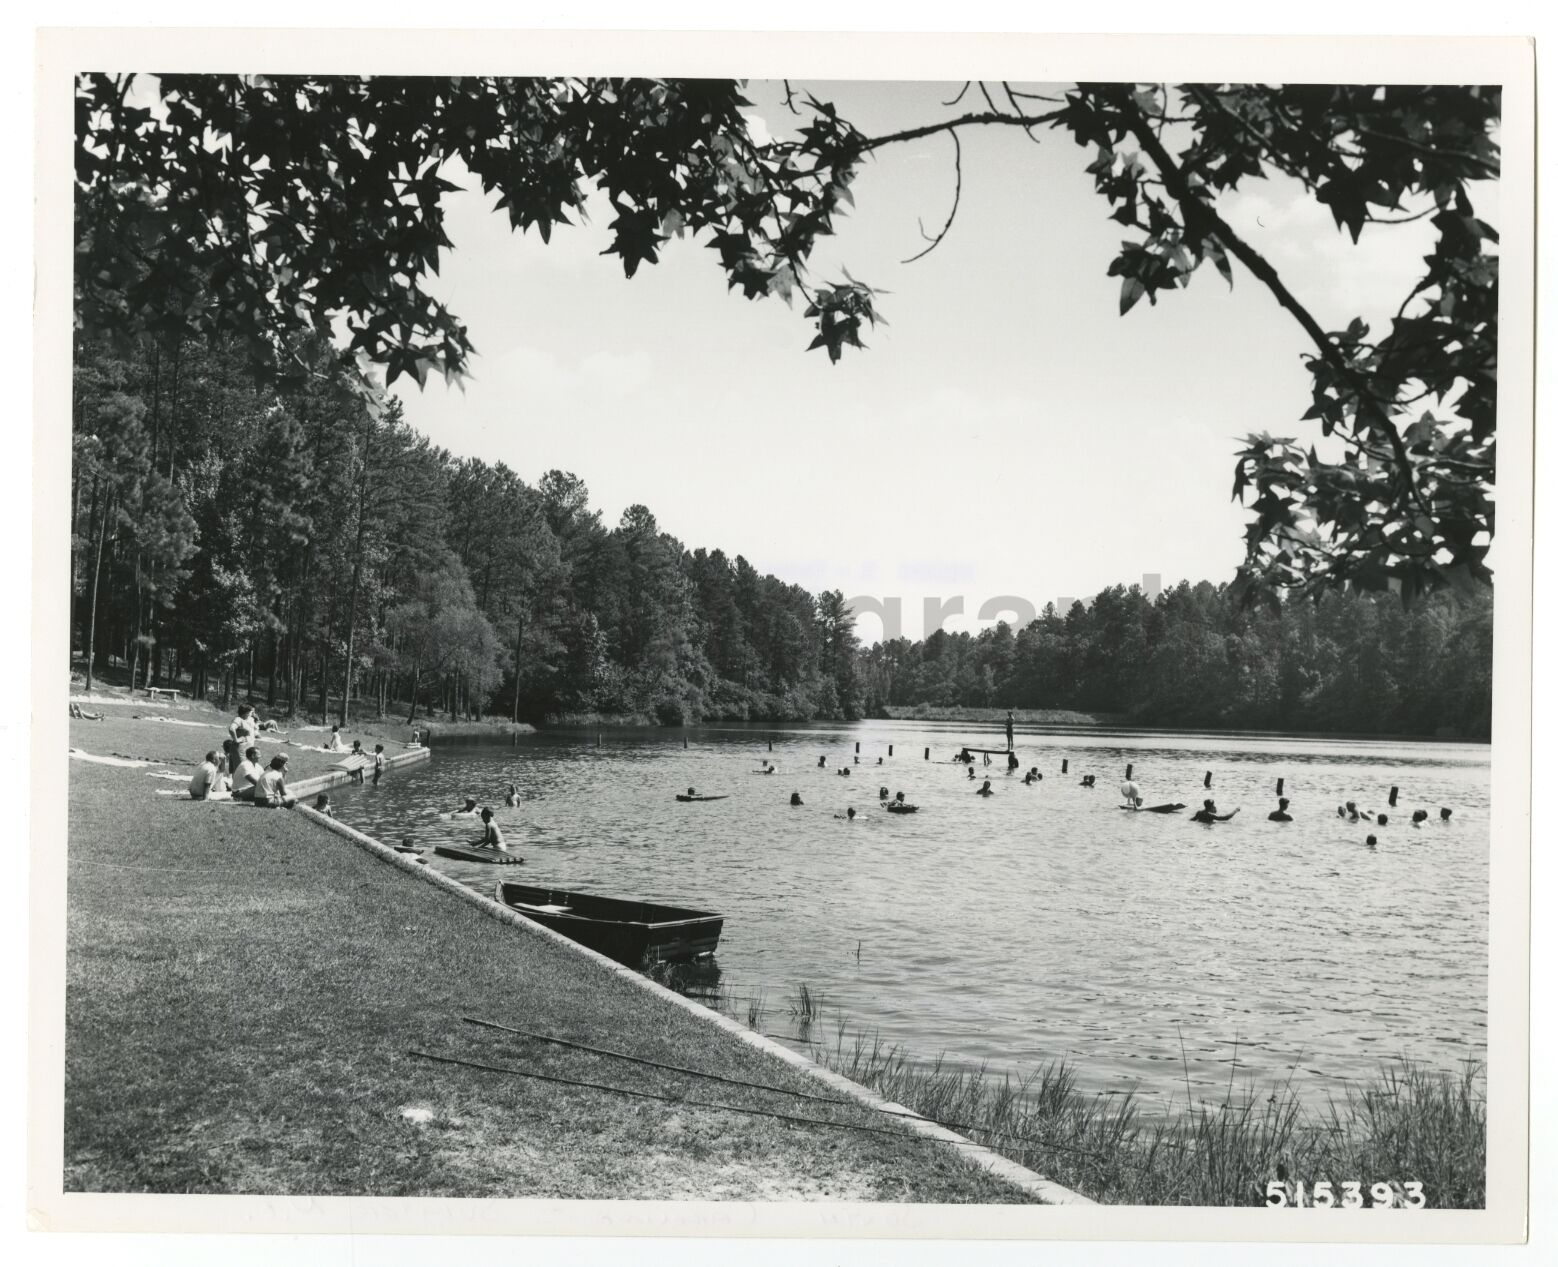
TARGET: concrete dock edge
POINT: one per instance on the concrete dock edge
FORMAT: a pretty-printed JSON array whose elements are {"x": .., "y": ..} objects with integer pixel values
[{"x": 1019, "y": 1176}]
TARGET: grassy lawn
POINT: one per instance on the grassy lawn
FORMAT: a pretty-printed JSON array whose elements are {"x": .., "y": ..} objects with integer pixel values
[{"x": 243, "y": 990}]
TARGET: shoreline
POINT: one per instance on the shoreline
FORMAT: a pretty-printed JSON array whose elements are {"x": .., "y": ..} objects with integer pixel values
[{"x": 244, "y": 994}]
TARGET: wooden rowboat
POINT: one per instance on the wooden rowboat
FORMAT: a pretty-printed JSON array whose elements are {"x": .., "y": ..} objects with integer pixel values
[
  {"x": 474, "y": 853},
  {"x": 628, "y": 931}
]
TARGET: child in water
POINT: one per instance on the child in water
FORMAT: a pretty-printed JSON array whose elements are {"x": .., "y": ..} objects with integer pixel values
[
  {"x": 511, "y": 797},
  {"x": 492, "y": 835},
  {"x": 322, "y": 806}
]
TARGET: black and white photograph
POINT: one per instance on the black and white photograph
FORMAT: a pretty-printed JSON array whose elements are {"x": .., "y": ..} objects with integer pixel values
[{"x": 917, "y": 637}]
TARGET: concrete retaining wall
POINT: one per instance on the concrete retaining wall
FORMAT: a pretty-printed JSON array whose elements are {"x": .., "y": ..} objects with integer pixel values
[
  {"x": 1040, "y": 1187},
  {"x": 335, "y": 778}
]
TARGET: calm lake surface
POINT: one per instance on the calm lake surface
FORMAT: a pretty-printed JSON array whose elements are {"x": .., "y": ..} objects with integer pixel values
[{"x": 1042, "y": 922}]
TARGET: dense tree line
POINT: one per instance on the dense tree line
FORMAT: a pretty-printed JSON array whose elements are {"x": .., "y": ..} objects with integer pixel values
[
  {"x": 1198, "y": 656},
  {"x": 299, "y": 543}
]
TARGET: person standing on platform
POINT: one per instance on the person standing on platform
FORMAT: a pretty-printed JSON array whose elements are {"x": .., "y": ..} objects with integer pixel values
[{"x": 1010, "y": 732}]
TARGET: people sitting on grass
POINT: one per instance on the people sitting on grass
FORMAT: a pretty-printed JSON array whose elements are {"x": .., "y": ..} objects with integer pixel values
[
  {"x": 1208, "y": 813},
  {"x": 335, "y": 744},
  {"x": 492, "y": 835},
  {"x": 1280, "y": 814},
  {"x": 322, "y": 805},
  {"x": 208, "y": 778},
  {"x": 247, "y": 776},
  {"x": 81, "y": 714},
  {"x": 272, "y": 789}
]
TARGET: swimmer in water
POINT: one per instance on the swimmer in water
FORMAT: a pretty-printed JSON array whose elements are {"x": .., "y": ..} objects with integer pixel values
[
  {"x": 1383, "y": 819},
  {"x": 844, "y": 773},
  {"x": 1208, "y": 813},
  {"x": 848, "y": 815},
  {"x": 492, "y": 835},
  {"x": 971, "y": 771},
  {"x": 1371, "y": 842},
  {"x": 1444, "y": 814},
  {"x": 882, "y": 794},
  {"x": 986, "y": 790},
  {"x": 795, "y": 799},
  {"x": 468, "y": 810},
  {"x": 822, "y": 761},
  {"x": 1280, "y": 814},
  {"x": 322, "y": 806},
  {"x": 511, "y": 797}
]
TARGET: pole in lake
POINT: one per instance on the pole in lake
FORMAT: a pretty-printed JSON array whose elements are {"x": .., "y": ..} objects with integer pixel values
[
  {"x": 857, "y": 747},
  {"x": 1207, "y": 782},
  {"x": 927, "y": 754},
  {"x": 889, "y": 750},
  {"x": 1393, "y": 793},
  {"x": 1065, "y": 765},
  {"x": 1279, "y": 786},
  {"x": 1128, "y": 768}
]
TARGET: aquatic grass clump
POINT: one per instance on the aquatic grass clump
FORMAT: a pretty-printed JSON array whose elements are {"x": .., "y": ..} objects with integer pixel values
[{"x": 1408, "y": 1124}]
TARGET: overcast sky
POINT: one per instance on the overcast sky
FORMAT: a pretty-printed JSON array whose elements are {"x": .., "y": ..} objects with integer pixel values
[{"x": 1008, "y": 434}]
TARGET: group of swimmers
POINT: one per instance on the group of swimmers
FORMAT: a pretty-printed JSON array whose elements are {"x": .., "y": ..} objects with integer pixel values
[{"x": 491, "y": 835}]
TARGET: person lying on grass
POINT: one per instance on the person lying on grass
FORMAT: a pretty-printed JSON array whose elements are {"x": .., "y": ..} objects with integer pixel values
[
  {"x": 78, "y": 712},
  {"x": 272, "y": 789},
  {"x": 247, "y": 776}
]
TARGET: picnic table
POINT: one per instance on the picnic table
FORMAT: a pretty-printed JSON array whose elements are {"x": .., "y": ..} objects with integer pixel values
[{"x": 157, "y": 692}]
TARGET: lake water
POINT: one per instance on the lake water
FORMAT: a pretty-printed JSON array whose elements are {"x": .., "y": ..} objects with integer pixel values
[{"x": 1041, "y": 922}]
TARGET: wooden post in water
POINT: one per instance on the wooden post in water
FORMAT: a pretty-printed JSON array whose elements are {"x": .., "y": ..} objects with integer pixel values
[
  {"x": 1065, "y": 765},
  {"x": 770, "y": 745},
  {"x": 1128, "y": 768},
  {"x": 1279, "y": 786},
  {"x": 1207, "y": 782},
  {"x": 927, "y": 754},
  {"x": 857, "y": 747},
  {"x": 1393, "y": 793},
  {"x": 889, "y": 750}
]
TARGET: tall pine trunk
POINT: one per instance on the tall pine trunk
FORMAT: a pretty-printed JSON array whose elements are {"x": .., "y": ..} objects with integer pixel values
[{"x": 97, "y": 573}]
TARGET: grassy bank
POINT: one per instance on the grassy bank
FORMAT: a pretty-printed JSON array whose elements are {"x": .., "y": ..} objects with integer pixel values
[
  {"x": 1407, "y": 1124},
  {"x": 244, "y": 991}
]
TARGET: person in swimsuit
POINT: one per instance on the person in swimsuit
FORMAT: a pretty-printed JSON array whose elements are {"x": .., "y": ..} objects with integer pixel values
[
  {"x": 322, "y": 806},
  {"x": 468, "y": 810},
  {"x": 1280, "y": 814},
  {"x": 378, "y": 762},
  {"x": 795, "y": 799},
  {"x": 492, "y": 835},
  {"x": 987, "y": 790},
  {"x": 1208, "y": 813},
  {"x": 511, "y": 797},
  {"x": 335, "y": 744}
]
